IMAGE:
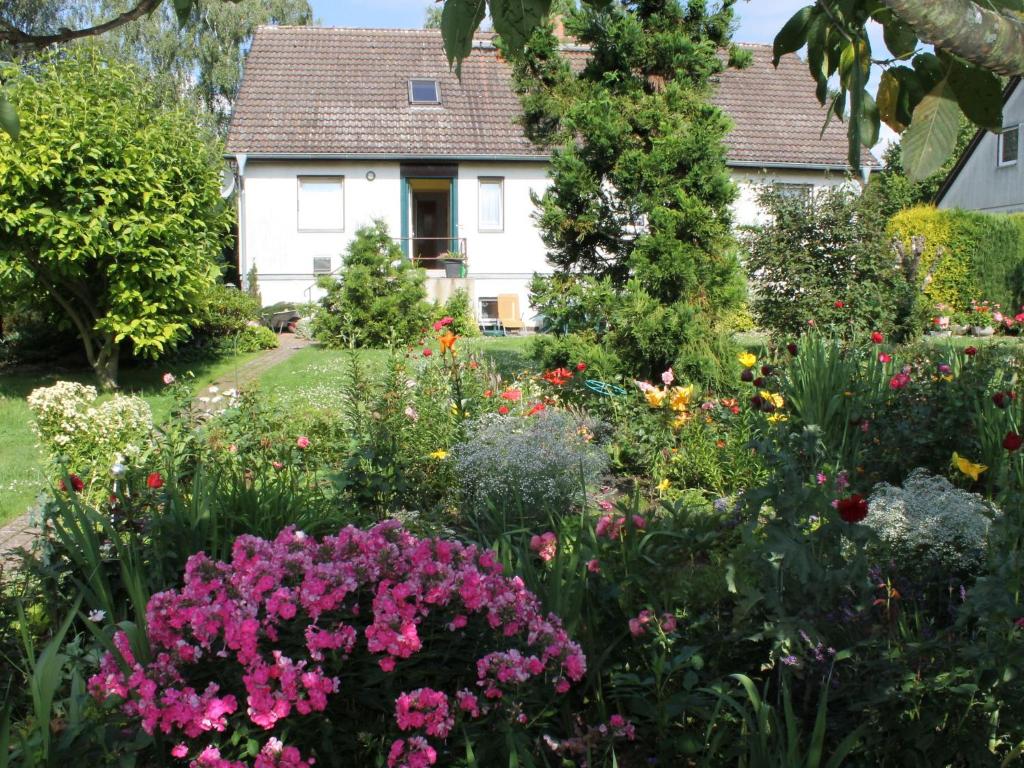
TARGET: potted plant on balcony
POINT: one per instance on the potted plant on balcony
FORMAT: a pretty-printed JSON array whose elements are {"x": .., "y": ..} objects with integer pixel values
[
  {"x": 981, "y": 320},
  {"x": 454, "y": 264}
]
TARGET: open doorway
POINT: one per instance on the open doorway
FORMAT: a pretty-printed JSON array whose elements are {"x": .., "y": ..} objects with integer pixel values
[{"x": 430, "y": 220}]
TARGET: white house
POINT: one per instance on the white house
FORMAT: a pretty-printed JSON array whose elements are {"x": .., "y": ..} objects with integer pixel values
[
  {"x": 989, "y": 176},
  {"x": 336, "y": 127}
]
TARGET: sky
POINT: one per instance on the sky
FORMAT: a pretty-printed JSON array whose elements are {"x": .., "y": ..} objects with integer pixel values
[{"x": 759, "y": 21}]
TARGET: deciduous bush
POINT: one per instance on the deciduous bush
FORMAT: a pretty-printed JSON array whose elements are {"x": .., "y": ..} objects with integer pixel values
[
  {"x": 824, "y": 259},
  {"x": 378, "y": 299},
  {"x": 459, "y": 309},
  {"x": 967, "y": 256}
]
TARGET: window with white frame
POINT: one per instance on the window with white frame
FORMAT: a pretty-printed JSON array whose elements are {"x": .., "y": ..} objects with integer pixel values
[
  {"x": 1009, "y": 145},
  {"x": 424, "y": 91},
  {"x": 321, "y": 203},
  {"x": 492, "y": 204},
  {"x": 489, "y": 308}
]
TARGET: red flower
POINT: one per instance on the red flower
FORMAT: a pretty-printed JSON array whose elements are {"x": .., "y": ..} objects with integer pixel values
[
  {"x": 884, "y": 358},
  {"x": 792, "y": 349},
  {"x": 488, "y": 393},
  {"x": 1012, "y": 441},
  {"x": 76, "y": 484},
  {"x": 899, "y": 381},
  {"x": 840, "y": 305},
  {"x": 971, "y": 351},
  {"x": 558, "y": 377},
  {"x": 853, "y": 508},
  {"x": 1003, "y": 399},
  {"x": 537, "y": 408},
  {"x": 428, "y": 352},
  {"x": 503, "y": 410},
  {"x": 511, "y": 394},
  {"x": 581, "y": 366},
  {"x": 877, "y": 337},
  {"x": 154, "y": 480}
]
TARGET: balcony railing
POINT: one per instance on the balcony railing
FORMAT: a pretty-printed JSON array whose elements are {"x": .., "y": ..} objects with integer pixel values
[{"x": 432, "y": 252}]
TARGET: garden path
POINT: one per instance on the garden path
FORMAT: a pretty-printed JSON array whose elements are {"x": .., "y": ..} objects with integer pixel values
[{"x": 19, "y": 532}]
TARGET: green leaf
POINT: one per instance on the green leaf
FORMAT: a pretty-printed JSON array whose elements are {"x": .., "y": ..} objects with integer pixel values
[
  {"x": 793, "y": 35},
  {"x": 889, "y": 101},
  {"x": 183, "y": 9},
  {"x": 899, "y": 38},
  {"x": 870, "y": 123},
  {"x": 459, "y": 21},
  {"x": 9, "y": 118},
  {"x": 979, "y": 94},
  {"x": 515, "y": 20},
  {"x": 931, "y": 137}
]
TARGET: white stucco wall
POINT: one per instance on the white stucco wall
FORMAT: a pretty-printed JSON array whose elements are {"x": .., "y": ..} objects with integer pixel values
[
  {"x": 984, "y": 185},
  {"x": 746, "y": 211},
  {"x": 498, "y": 262}
]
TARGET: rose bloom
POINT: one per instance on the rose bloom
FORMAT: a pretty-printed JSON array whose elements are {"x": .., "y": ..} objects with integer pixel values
[
  {"x": 302, "y": 442},
  {"x": 971, "y": 351},
  {"x": 877, "y": 337},
  {"x": 853, "y": 508},
  {"x": 154, "y": 480},
  {"x": 168, "y": 378}
]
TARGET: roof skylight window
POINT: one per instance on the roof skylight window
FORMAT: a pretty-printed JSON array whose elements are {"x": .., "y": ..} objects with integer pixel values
[{"x": 424, "y": 92}]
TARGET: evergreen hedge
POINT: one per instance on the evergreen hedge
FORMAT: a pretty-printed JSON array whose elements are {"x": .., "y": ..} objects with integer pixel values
[{"x": 983, "y": 254}]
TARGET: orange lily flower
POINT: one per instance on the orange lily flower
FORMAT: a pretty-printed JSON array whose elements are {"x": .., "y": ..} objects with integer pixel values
[{"x": 448, "y": 342}]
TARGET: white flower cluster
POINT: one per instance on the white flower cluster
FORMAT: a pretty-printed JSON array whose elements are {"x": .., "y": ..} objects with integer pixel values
[
  {"x": 88, "y": 436},
  {"x": 930, "y": 524}
]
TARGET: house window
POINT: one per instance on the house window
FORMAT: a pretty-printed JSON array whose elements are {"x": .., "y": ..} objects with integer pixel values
[
  {"x": 492, "y": 205},
  {"x": 321, "y": 265},
  {"x": 321, "y": 203},
  {"x": 791, "y": 189},
  {"x": 489, "y": 309},
  {"x": 1009, "y": 145},
  {"x": 424, "y": 92}
]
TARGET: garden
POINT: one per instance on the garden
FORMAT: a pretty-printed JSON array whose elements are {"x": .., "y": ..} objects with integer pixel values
[{"x": 756, "y": 499}]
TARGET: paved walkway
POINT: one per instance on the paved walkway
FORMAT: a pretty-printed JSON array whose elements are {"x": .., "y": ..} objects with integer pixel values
[{"x": 19, "y": 533}]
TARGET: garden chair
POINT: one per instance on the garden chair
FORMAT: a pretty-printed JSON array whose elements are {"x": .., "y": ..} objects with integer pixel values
[{"x": 509, "y": 316}]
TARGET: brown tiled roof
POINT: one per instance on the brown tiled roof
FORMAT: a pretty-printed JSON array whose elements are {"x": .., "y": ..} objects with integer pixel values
[
  {"x": 315, "y": 90},
  {"x": 776, "y": 116}
]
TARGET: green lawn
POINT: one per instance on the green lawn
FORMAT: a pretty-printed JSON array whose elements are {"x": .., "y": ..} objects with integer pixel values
[
  {"x": 312, "y": 378},
  {"x": 21, "y": 463}
]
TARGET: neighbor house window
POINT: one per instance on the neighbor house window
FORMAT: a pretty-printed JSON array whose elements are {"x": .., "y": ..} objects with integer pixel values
[
  {"x": 792, "y": 189},
  {"x": 492, "y": 205},
  {"x": 489, "y": 308},
  {"x": 321, "y": 265},
  {"x": 321, "y": 203},
  {"x": 1009, "y": 145},
  {"x": 424, "y": 92}
]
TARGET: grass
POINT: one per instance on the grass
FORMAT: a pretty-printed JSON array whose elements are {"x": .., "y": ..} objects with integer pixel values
[
  {"x": 312, "y": 378},
  {"x": 22, "y": 465}
]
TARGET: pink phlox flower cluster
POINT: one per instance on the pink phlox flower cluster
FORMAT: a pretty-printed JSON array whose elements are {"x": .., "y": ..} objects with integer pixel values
[
  {"x": 545, "y": 545},
  {"x": 287, "y": 613}
]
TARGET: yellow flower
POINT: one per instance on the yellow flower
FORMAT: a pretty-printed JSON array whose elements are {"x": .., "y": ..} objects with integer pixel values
[
  {"x": 440, "y": 455},
  {"x": 968, "y": 467},
  {"x": 680, "y": 420},
  {"x": 747, "y": 360},
  {"x": 664, "y": 485},
  {"x": 680, "y": 398},
  {"x": 654, "y": 397},
  {"x": 774, "y": 398}
]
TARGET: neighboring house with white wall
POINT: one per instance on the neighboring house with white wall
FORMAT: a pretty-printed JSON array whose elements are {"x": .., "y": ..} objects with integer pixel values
[
  {"x": 989, "y": 175},
  {"x": 334, "y": 128}
]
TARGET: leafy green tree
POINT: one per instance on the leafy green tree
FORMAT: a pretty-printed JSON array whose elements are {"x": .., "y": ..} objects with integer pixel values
[
  {"x": 640, "y": 189},
  {"x": 379, "y": 298},
  {"x": 432, "y": 17},
  {"x": 110, "y": 208}
]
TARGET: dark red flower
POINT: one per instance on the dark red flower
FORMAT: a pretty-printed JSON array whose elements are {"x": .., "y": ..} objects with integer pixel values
[
  {"x": 76, "y": 484},
  {"x": 1012, "y": 441},
  {"x": 767, "y": 370},
  {"x": 877, "y": 337},
  {"x": 154, "y": 480},
  {"x": 840, "y": 305},
  {"x": 792, "y": 349},
  {"x": 971, "y": 351},
  {"x": 758, "y": 382},
  {"x": 1001, "y": 399},
  {"x": 853, "y": 508},
  {"x": 747, "y": 375},
  {"x": 757, "y": 401}
]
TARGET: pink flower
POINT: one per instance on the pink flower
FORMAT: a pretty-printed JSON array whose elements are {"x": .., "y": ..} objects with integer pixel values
[
  {"x": 638, "y": 625},
  {"x": 428, "y": 352},
  {"x": 302, "y": 442},
  {"x": 545, "y": 545},
  {"x": 884, "y": 358},
  {"x": 668, "y": 377},
  {"x": 822, "y": 478},
  {"x": 411, "y": 414},
  {"x": 179, "y": 750},
  {"x": 594, "y": 566},
  {"x": 668, "y": 623},
  {"x": 899, "y": 381},
  {"x": 168, "y": 378}
]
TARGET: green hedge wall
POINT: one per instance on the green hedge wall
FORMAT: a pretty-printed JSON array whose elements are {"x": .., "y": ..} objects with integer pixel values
[{"x": 983, "y": 254}]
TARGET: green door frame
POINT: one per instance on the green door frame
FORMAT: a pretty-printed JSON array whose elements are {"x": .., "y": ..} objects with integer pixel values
[{"x": 453, "y": 205}]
